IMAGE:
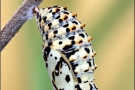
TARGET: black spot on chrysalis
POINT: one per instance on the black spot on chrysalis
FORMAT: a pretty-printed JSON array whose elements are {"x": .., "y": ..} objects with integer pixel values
[
  {"x": 67, "y": 78},
  {"x": 82, "y": 35},
  {"x": 78, "y": 87}
]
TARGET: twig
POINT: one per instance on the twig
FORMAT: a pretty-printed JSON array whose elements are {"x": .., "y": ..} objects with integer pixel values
[{"x": 24, "y": 13}]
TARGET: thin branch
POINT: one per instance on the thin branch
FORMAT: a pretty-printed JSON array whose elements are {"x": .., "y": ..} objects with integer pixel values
[{"x": 24, "y": 13}]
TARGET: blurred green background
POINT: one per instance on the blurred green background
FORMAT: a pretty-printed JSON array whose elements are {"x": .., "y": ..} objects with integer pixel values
[{"x": 109, "y": 22}]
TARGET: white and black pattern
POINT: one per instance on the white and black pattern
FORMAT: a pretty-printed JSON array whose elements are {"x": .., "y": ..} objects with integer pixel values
[{"x": 67, "y": 49}]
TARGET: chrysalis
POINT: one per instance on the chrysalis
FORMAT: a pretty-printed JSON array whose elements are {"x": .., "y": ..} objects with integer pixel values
[{"x": 67, "y": 49}]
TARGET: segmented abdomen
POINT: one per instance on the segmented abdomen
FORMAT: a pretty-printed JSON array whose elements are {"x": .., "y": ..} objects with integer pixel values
[{"x": 61, "y": 30}]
